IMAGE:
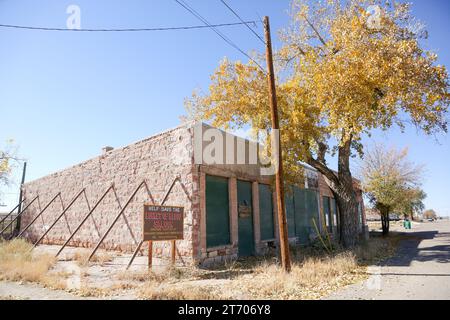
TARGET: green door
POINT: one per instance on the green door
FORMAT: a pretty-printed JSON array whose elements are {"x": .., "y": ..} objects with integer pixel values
[
  {"x": 217, "y": 212},
  {"x": 245, "y": 221}
]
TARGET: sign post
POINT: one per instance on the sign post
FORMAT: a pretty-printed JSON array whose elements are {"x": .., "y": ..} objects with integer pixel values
[
  {"x": 150, "y": 254},
  {"x": 162, "y": 223}
]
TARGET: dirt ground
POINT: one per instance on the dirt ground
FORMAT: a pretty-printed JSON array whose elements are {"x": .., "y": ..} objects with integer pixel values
[
  {"x": 101, "y": 279},
  {"x": 419, "y": 271}
]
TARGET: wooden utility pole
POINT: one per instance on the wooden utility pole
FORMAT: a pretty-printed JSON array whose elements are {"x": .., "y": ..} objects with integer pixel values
[{"x": 279, "y": 179}]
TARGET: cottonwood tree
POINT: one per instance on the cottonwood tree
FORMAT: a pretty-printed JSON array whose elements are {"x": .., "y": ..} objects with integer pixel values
[
  {"x": 390, "y": 181},
  {"x": 342, "y": 72}
]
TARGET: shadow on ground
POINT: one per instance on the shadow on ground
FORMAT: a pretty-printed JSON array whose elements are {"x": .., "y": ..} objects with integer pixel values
[{"x": 410, "y": 250}]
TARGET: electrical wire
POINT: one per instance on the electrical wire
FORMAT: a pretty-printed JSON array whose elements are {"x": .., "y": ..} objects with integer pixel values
[
  {"x": 127, "y": 29},
  {"x": 220, "y": 34},
  {"x": 237, "y": 15}
]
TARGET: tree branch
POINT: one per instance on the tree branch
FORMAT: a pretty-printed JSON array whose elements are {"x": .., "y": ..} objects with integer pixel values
[
  {"x": 323, "y": 169},
  {"x": 316, "y": 32}
]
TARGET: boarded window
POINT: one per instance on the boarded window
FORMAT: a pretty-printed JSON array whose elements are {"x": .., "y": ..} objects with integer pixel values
[
  {"x": 290, "y": 212},
  {"x": 217, "y": 212},
  {"x": 306, "y": 209},
  {"x": 266, "y": 212},
  {"x": 327, "y": 213},
  {"x": 335, "y": 213}
]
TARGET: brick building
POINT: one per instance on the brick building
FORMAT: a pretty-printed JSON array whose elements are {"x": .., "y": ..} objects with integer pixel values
[{"x": 229, "y": 207}]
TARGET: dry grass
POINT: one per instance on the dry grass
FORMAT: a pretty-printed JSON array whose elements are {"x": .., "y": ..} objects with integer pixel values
[
  {"x": 170, "y": 274},
  {"x": 81, "y": 257},
  {"x": 189, "y": 292},
  {"x": 310, "y": 278},
  {"x": 88, "y": 291},
  {"x": 4, "y": 298},
  {"x": 18, "y": 264},
  {"x": 315, "y": 273}
]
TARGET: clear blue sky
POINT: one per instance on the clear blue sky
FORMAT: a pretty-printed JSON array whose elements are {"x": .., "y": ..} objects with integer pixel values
[{"x": 64, "y": 95}]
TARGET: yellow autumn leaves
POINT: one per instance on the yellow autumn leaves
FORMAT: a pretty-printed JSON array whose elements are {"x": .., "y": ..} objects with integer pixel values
[{"x": 338, "y": 78}]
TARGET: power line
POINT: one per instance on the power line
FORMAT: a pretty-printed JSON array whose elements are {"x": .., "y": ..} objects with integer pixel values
[
  {"x": 237, "y": 15},
  {"x": 220, "y": 34},
  {"x": 127, "y": 29}
]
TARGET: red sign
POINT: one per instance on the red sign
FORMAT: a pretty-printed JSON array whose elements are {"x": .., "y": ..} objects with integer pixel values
[{"x": 163, "y": 223}]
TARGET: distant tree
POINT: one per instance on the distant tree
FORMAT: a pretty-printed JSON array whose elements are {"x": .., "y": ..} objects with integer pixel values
[
  {"x": 390, "y": 182},
  {"x": 430, "y": 214},
  {"x": 411, "y": 203}
]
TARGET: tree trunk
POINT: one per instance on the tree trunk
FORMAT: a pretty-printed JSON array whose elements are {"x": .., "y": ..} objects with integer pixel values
[
  {"x": 348, "y": 215},
  {"x": 341, "y": 185},
  {"x": 385, "y": 221}
]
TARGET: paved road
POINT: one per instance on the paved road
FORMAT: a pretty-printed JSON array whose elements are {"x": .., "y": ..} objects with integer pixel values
[{"x": 420, "y": 270}]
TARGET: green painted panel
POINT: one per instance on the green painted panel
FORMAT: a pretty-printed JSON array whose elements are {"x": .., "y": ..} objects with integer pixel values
[
  {"x": 313, "y": 210},
  {"x": 290, "y": 212},
  {"x": 245, "y": 221},
  {"x": 217, "y": 212},
  {"x": 266, "y": 212},
  {"x": 306, "y": 208},
  {"x": 301, "y": 216}
]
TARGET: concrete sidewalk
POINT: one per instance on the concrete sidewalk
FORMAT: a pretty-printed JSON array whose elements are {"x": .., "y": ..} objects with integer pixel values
[{"x": 419, "y": 271}]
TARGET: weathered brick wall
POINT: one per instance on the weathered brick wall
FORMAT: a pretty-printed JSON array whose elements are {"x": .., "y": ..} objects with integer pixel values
[{"x": 158, "y": 160}]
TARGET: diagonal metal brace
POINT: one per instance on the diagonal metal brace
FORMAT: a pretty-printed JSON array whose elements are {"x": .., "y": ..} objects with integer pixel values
[
  {"x": 59, "y": 217},
  {"x": 17, "y": 217},
  {"x": 11, "y": 212},
  {"x": 40, "y": 213},
  {"x": 85, "y": 219},
  {"x": 135, "y": 254},
  {"x": 116, "y": 219}
]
